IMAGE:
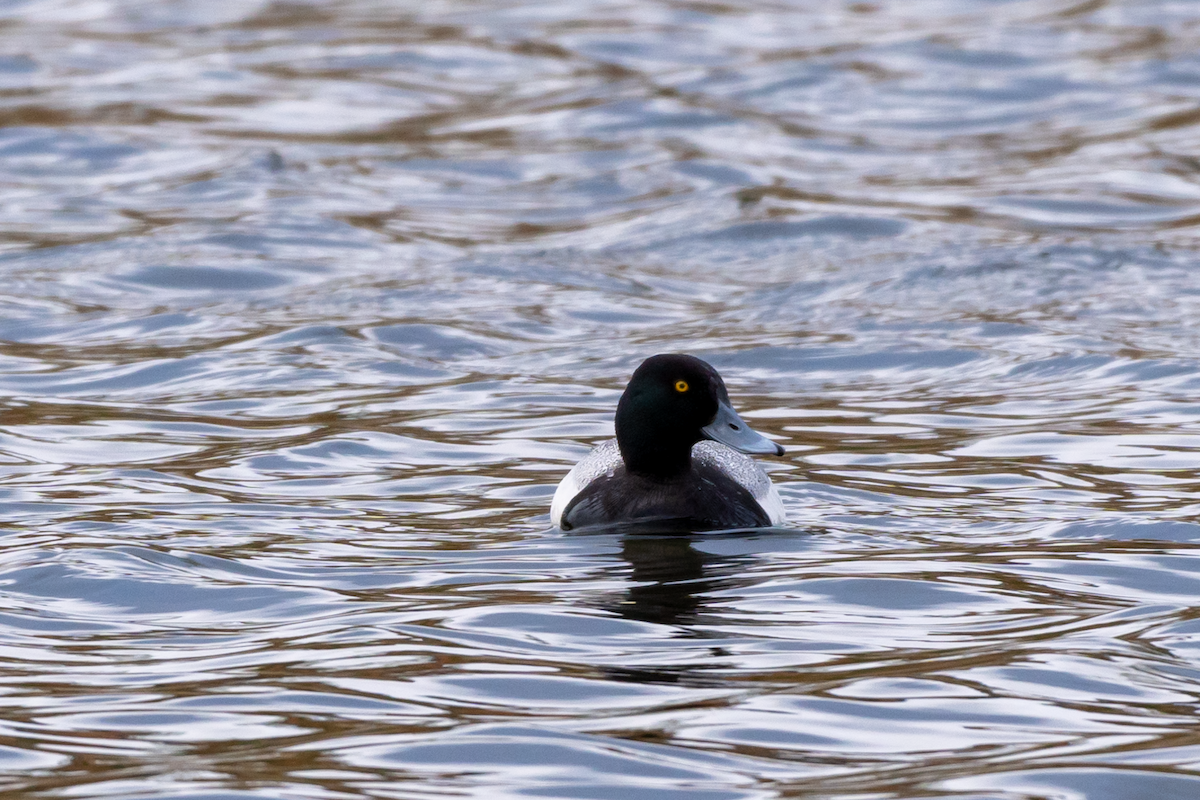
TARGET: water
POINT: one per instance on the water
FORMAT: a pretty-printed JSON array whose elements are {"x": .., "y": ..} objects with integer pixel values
[{"x": 307, "y": 308}]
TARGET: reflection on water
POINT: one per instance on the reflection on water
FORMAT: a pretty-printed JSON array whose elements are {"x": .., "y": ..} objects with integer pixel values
[
  {"x": 666, "y": 582},
  {"x": 307, "y": 307}
]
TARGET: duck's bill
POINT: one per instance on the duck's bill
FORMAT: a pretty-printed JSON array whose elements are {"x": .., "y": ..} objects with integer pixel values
[{"x": 728, "y": 428}]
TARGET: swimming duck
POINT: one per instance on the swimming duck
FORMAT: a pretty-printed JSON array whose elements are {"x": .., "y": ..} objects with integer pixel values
[{"x": 677, "y": 458}]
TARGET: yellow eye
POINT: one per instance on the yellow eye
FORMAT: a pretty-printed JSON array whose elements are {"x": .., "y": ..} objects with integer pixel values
[{"x": 681, "y": 386}]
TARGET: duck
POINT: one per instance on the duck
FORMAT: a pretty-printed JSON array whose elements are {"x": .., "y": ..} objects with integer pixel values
[{"x": 681, "y": 458}]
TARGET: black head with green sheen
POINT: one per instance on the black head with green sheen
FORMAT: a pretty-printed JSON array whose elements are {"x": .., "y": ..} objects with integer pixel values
[{"x": 672, "y": 402}]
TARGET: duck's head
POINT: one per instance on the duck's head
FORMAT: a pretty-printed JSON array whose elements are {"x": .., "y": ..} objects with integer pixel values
[{"x": 672, "y": 402}]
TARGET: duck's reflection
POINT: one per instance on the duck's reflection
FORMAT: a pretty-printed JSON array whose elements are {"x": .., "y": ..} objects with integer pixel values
[
  {"x": 671, "y": 579},
  {"x": 672, "y": 583}
]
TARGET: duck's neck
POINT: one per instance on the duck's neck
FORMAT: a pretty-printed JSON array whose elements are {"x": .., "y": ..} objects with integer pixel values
[{"x": 650, "y": 454}]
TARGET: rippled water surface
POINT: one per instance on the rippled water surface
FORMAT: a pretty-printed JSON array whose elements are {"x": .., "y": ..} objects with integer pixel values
[{"x": 306, "y": 308}]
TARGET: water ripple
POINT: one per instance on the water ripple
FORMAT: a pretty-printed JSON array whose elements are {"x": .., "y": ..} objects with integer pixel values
[{"x": 307, "y": 308}]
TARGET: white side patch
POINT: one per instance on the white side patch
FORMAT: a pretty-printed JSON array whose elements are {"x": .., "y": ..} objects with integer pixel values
[
  {"x": 773, "y": 505},
  {"x": 603, "y": 459},
  {"x": 746, "y": 471}
]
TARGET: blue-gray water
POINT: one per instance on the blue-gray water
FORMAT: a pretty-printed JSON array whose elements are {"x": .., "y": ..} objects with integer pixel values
[{"x": 306, "y": 307}]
